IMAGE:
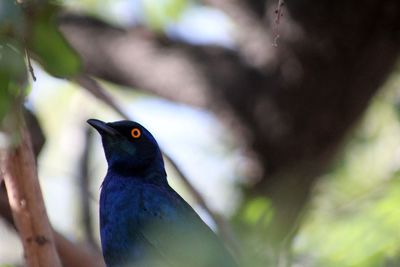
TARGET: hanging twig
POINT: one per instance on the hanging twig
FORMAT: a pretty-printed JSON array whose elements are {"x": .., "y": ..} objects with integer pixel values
[
  {"x": 278, "y": 15},
  {"x": 224, "y": 230},
  {"x": 17, "y": 166},
  {"x": 28, "y": 56}
]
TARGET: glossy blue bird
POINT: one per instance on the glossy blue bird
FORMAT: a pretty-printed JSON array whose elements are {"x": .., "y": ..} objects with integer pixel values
[{"x": 143, "y": 221}]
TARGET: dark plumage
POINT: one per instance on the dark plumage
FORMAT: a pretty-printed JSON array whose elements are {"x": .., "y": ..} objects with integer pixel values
[{"x": 143, "y": 221}]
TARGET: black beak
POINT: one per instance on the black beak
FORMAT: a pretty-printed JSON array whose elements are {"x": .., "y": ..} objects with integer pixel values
[{"x": 102, "y": 127}]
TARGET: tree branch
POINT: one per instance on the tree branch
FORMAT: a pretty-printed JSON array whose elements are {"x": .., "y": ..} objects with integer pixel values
[
  {"x": 71, "y": 255},
  {"x": 161, "y": 70},
  {"x": 77, "y": 255},
  {"x": 251, "y": 34},
  {"x": 18, "y": 169}
]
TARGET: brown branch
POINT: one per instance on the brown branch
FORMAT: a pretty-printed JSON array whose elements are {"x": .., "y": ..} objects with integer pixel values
[
  {"x": 77, "y": 255},
  {"x": 97, "y": 91},
  {"x": 71, "y": 254},
  {"x": 252, "y": 34},
  {"x": 132, "y": 58},
  {"x": 18, "y": 169},
  {"x": 223, "y": 227}
]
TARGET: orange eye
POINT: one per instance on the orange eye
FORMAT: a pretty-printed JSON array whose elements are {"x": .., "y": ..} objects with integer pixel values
[{"x": 136, "y": 133}]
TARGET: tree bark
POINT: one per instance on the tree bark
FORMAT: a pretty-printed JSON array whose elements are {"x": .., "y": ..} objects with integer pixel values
[
  {"x": 71, "y": 254},
  {"x": 18, "y": 169}
]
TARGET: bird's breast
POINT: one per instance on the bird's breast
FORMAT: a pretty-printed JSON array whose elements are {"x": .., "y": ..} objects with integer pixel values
[{"x": 119, "y": 202}]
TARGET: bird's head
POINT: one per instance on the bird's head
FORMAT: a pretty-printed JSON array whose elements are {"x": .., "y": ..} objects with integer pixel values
[{"x": 128, "y": 146}]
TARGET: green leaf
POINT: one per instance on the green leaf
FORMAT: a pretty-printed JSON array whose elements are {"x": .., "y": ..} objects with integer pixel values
[
  {"x": 49, "y": 47},
  {"x": 12, "y": 62},
  {"x": 258, "y": 210},
  {"x": 5, "y": 98},
  {"x": 13, "y": 74},
  {"x": 159, "y": 13}
]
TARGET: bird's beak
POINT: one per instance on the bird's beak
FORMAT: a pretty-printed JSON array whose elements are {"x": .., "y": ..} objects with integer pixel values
[{"x": 102, "y": 127}]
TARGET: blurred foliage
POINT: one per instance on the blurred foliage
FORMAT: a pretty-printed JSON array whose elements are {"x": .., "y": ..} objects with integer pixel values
[
  {"x": 48, "y": 45},
  {"x": 257, "y": 211},
  {"x": 251, "y": 223},
  {"x": 12, "y": 74},
  {"x": 30, "y": 27},
  {"x": 156, "y": 14},
  {"x": 160, "y": 13},
  {"x": 354, "y": 217}
]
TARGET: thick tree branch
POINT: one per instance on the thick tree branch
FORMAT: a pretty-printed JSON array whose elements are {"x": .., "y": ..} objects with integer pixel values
[
  {"x": 134, "y": 59},
  {"x": 71, "y": 254},
  {"x": 251, "y": 35},
  {"x": 77, "y": 255},
  {"x": 18, "y": 169}
]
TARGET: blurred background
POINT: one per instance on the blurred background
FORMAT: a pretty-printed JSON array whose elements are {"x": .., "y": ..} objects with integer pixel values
[{"x": 284, "y": 116}]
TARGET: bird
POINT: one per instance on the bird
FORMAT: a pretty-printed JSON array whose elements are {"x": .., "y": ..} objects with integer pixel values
[{"x": 144, "y": 222}]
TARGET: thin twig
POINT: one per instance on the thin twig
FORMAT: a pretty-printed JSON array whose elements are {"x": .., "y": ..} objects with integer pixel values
[
  {"x": 279, "y": 11},
  {"x": 28, "y": 56},
  {"x": 84, "y": 183},
  {"x": 223, "y": 227},
  {"x": 278, "y": 15}
]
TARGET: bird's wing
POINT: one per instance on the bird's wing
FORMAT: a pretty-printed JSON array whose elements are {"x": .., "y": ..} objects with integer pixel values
[{"x": 172, "y": 227}]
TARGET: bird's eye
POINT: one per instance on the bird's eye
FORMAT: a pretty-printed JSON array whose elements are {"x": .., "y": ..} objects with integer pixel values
[{"x": 135, "y": 133}]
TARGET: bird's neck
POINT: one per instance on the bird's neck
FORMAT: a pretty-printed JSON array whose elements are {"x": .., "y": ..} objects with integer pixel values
[{"x": 153, "y": 173}]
